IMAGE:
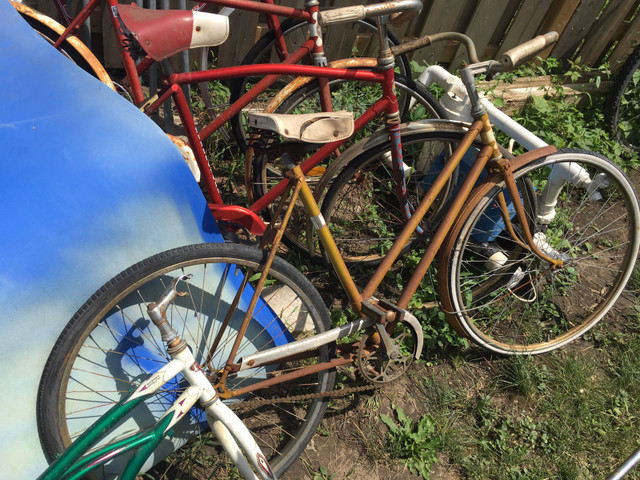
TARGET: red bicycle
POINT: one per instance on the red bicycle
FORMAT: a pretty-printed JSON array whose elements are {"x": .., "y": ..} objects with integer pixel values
[{"x": 378, "y": 92}]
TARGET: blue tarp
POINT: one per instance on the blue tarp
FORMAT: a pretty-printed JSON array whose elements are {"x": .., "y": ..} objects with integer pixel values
[{"x": 88, "y": 187}]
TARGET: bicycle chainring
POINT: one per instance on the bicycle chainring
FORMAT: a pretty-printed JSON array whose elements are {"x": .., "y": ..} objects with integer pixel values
[{"x": 379, "y": 366}]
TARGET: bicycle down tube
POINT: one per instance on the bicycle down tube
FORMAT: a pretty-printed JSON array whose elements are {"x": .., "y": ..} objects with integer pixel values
[{"x": 385, "y": 104}]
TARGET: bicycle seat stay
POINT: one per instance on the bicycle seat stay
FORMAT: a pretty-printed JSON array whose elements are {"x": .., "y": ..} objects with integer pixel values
[{"x": 162, "y": 33}]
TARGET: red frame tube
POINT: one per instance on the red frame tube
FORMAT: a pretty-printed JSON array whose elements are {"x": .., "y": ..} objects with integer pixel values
[{"x": 386, "y": 104}]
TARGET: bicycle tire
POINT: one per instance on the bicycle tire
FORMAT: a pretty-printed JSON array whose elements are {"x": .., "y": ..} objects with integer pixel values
[
  {"x": 623, "y": 107},
  {"x": 304, "y": 101},
  {"x": 72, "y": 47},
  {"x": 512, "y": 302},
  {"x": 110, "y": 344},
  {"x": 294, "y": 32}
]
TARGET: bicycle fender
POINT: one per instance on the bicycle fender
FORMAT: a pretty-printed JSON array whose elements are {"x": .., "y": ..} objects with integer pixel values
[
  {"x": 75, "y": 42},
  {"x": 379, "y": 138},
  {"x": 417, "y": 328}
]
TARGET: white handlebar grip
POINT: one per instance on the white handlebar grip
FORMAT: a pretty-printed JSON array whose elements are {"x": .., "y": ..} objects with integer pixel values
[
  {"x": 358, "y": 12},
  {"x": 339, "y": 15},
  {"x": 513, "y": 57}
]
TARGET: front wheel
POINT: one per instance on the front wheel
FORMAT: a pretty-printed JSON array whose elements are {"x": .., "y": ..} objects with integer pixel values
[
  {"x": 509, "y": 300},
  {"x": 110, "y": 346}
]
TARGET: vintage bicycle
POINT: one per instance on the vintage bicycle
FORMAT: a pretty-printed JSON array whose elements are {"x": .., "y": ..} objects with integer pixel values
[
  {"x": 297, "y": 35},
  {"x": 424, "y": 102},
  {"x": 131, "y": 451},
  {"x": 530, "y": 258}
]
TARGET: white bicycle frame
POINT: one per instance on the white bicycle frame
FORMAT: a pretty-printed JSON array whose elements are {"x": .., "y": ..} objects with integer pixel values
[
  {"x": 232, "y": 434},
  {"x": 456, "y": 104}
]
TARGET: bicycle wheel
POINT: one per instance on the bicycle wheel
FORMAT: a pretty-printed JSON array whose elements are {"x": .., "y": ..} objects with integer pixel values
[
  {"x": 361, "y": 206},
  {"x": 72, "y": 47},
  {"x": 110, "y": 345},
  {"x": 352, "y": 96},
  {"x": 339, "y": 41},
  {"x": 511, "y": 301},
  {"x": 623, "y": 107}
]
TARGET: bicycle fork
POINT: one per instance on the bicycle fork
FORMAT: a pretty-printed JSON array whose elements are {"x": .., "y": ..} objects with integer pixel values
[{"x": 234, "y": 437}]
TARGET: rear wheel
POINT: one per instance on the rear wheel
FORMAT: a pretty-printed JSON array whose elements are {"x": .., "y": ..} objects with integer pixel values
[
  {"x": 111, "y": 345},
  {"x": 415, "y": 103},
  {"x": 362, "y": 208},
  {"x": 623, "y": 107}
]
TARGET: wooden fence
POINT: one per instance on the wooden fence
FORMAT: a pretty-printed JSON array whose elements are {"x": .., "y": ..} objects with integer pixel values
[{"x": 590, "y": 30}]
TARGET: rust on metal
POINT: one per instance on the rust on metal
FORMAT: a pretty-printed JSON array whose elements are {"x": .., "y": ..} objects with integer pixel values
[
  {"x": 422, "y": 209},
  {"x": 77, "y": 45},
  {"x": 298, "y": 82},
  {"x": 187, "y": 154},
  {"x": 446, "y": 224},
  {"x": 310, "y": 370}
]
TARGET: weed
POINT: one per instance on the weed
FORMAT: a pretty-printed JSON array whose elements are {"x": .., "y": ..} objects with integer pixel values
[
  {"x": 323, "y": 474},
  {"x": 523, "y": 375},
  {"x": 416, "y": 445}
]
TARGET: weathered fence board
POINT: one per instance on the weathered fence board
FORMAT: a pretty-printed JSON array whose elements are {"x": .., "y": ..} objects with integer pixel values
[
  {"x": 481, "y": 27},
  {"x": 596, "y": 44},
  {"x": 577, "y": 28},
  {"x": 627, "y": 43},
  {"x": 525, "y": 25},
  {"x": 589, "y": 29}
]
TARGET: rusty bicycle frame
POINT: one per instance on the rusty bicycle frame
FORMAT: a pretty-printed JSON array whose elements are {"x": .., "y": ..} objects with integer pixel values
[
  {"x": 172, "y": 83},
  {"x": 133, "y": 71},
  {"x": 364, "y": 303}
]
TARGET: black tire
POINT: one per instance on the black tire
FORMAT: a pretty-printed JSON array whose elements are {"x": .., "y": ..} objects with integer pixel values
[
  {"x": 509, "y": 300},
  {"x": 623, "y": 106},
  {"x": 111, "y": 345},
  {"x": 294, "y": 32}
]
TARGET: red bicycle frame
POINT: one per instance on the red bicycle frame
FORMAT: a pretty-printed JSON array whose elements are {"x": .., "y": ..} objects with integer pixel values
[
  {"x": 387, "y": 104},
  {"x": 133, "y": 71}
]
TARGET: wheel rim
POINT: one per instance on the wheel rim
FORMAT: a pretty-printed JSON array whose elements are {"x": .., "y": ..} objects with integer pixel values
[
  {"x": 534, "y": 308},
  {"x": 109, "y": 361}
]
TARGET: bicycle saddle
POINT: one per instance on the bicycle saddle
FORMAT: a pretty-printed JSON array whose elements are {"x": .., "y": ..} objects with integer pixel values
[
  {"x": 308, "y": 127},
  {"x": 162, "y": 33}
]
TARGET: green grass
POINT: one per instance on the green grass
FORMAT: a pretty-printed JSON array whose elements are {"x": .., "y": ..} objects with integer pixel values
[{"x": 563, "y": 415}]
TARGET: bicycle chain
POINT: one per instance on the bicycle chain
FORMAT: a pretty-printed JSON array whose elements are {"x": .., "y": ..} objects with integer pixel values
[{"x": 295, "y": 398}]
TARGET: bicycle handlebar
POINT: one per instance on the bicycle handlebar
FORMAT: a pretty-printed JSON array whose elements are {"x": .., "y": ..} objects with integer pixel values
[
  {"x": 513, "y": 57},
  {"x": 359, "y": 12}
]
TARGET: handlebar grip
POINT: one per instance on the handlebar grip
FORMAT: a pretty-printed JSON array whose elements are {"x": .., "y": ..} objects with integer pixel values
[
  {"x": 511, "y": 58},
  {"x": 340, "y": 15},
  {"x": 358, "y": 12}
]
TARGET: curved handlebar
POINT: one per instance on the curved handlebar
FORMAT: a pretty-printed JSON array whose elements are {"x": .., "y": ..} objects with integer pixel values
[{"x": 359, "y": 12}]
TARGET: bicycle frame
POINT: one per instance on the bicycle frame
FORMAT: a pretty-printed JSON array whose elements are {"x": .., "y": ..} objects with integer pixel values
[
  {"x": 365, "y": 304},
  {"x": 387, "y": 104},
  {"x": 79, "y": 459},
  {"x": 266, "y": 7}
]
